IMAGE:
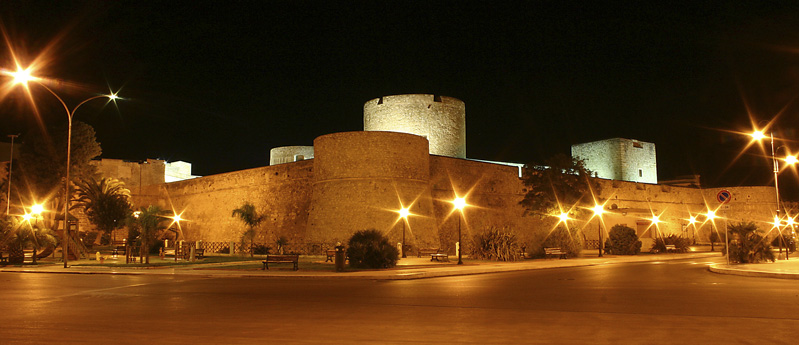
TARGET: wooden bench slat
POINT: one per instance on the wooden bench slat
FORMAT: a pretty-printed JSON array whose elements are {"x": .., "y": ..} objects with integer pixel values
[{"x": 282, "y": 259}]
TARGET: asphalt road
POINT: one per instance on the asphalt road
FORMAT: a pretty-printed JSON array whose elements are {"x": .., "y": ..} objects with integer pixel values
[{"x": 673, "y": 302}]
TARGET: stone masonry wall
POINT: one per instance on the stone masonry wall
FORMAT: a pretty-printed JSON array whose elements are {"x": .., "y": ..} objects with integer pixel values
[
  {"x": 493, "y": 193},
  {"x": 281, "y": 192}
]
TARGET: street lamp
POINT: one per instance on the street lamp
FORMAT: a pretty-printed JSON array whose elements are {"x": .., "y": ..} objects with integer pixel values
[
  {"x": 23, "y": 77},
  {"x": 598, "y": 211},
  {"x": 692, "y": 221},
  {"x": 459, "y": 203},
  {"x": 10, "y": 165},
  {"x": 403, "y": 213},
  {"x": 789, "y": 159},
  {"x": 711, "y": 215}
]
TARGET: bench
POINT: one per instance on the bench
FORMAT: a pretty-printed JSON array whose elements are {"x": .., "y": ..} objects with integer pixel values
[
  {"x": 331, "y": 254},
  {"x": 282, "y": 259},
  {"x": 439, "y": 257},
  {"x": 426, "y": 251},
  {"x": 671, "y": 248},
  {"x": 554, "y": 251}
]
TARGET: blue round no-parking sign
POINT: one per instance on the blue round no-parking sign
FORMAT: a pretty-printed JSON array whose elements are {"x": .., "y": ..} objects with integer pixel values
[{"x": 724, "y": 196}]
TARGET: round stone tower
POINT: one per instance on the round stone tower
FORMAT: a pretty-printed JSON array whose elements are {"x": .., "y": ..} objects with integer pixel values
[
  {"x": 440, "y": 119},
  {"x": 362, "y": 179}
]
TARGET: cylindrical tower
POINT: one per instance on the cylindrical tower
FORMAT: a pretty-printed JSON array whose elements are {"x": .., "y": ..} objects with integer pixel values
[
  {"x": 362, "y": 179},
  {"x": 440, "y": 119},
  {"x": 288, "y": 154}
]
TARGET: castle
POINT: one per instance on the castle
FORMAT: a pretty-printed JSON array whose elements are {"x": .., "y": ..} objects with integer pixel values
[{"x": 412, "y": 154}]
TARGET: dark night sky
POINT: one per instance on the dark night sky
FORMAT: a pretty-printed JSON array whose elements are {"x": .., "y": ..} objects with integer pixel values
[{"x": 219, "y": 83}]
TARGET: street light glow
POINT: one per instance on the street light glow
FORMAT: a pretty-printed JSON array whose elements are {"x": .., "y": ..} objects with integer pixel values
[
  {"x": 655, "y": 219},
  {"x": 37, "y": 209},
  {"x": 692, "y": 220},
  {"x": 711, "y": 214},
  {"x": 563, "y": 217},
  {"x": 459, "y": 203},
  {"x": 598, "y": 209},
  {"x": 758, "y": 135},
  {"x": 790, "y": 159},
  {"x": 404, "y": 212},
  {"x": 22, "y": 76}
]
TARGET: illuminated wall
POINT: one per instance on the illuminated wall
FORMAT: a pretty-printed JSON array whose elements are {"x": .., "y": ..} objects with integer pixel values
[
  {"x": 440, "y": 119},
  {"x": 288, "y": 154},
  {"x": 620, "y": 159},
  {"x": 361, "y": 180}
]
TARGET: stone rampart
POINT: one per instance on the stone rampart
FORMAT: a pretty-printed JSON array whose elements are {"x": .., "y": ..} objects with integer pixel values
[
  {"x": 440, "y": 119},
  {"x": 362, "y": 179},
  {"x": 280, "y": 192}
]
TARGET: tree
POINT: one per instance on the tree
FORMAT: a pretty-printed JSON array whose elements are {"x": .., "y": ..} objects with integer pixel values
[
  {"x": 251, "y": 219},
  {"x": 42, "y": 159},
  {"x": 105, "y": 202},
  {"x": 560, "y": 183},
  {"x": 18, "y": 234},
  {"x": 147, "y": 223},
  {"x": 747, "y": 244}
]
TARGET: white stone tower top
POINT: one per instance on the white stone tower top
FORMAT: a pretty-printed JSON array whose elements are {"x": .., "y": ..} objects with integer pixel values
[{"x": 440, "y": 119}]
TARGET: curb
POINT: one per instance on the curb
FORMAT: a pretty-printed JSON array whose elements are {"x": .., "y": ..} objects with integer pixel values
[
  {"x": 402, "y": 274},
  {"x": 717, "y": 268}
]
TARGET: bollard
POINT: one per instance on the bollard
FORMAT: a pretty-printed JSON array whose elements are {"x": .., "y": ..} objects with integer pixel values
[{"x": 340, "y": 257}]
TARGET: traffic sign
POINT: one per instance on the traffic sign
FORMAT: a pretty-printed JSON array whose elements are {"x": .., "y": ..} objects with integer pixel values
[{"x": 724, "y": 196}]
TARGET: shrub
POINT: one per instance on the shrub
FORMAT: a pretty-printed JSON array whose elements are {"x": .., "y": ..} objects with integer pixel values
[
  {"x": 370, "y": 249},
  {"x": 261, "y": 249},
  {"x": 622, "y": 240},
  {"x": 680, "y": 243},
  {"x": 788, "y": 242},
  {"x": 570, "y": 241},
  {"x": 496, "y": 244},
  {"x": 747, "y": 244}
]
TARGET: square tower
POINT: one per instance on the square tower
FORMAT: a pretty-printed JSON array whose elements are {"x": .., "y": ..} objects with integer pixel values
[{"x": 619, "y": 159}]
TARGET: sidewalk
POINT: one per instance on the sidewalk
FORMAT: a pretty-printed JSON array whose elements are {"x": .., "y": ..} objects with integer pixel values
[
  {"x": 783, "y": 269},
  {"x": 407, "y": 268}
]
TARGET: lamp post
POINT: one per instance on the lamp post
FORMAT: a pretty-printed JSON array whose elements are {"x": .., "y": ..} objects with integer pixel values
[
  {"x": 459, "y": 204},
  {"x": 711, "y": 215},
  {"x": 403, "y": 212},
  {"x": 760, "y": 135},
  {"x": 23, "y": 77},
  {"x": 598, "y": 211},
  {"x": 692, "y": 221},
  {"x": 10, "y": 165}
]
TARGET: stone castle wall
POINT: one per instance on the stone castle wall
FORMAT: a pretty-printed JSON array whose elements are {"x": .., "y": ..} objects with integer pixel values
[
  {"x": 280, "y": 192},
  {"x": 633, "y": 204},
  {"x": 362, "y": 179},
  {"x": 440, "y": 119},
  {"x": 133, "y": 174},
  {"x": 288, "y": 154}
]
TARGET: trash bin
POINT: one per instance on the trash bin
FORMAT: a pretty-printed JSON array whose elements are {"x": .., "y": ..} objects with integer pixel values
[{"x": 340, "y": 257}]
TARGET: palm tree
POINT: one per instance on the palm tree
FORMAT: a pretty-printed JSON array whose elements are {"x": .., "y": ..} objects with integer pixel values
[
  {"x": 747, "y": 244},
  {"x": 251, "y": 219},
  {"x": 17, "y": 234},
  {"x": 149, "y": 221},
  {"x": 105, "y": 202}
]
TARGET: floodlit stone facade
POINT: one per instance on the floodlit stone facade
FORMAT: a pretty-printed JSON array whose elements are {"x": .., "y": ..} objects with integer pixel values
[
  {"x": 288, "y": 154},
  {"x": 620, "y": 159},
  {"x": 411, "y": 154},
  {"x": 440, "y": 119}
]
